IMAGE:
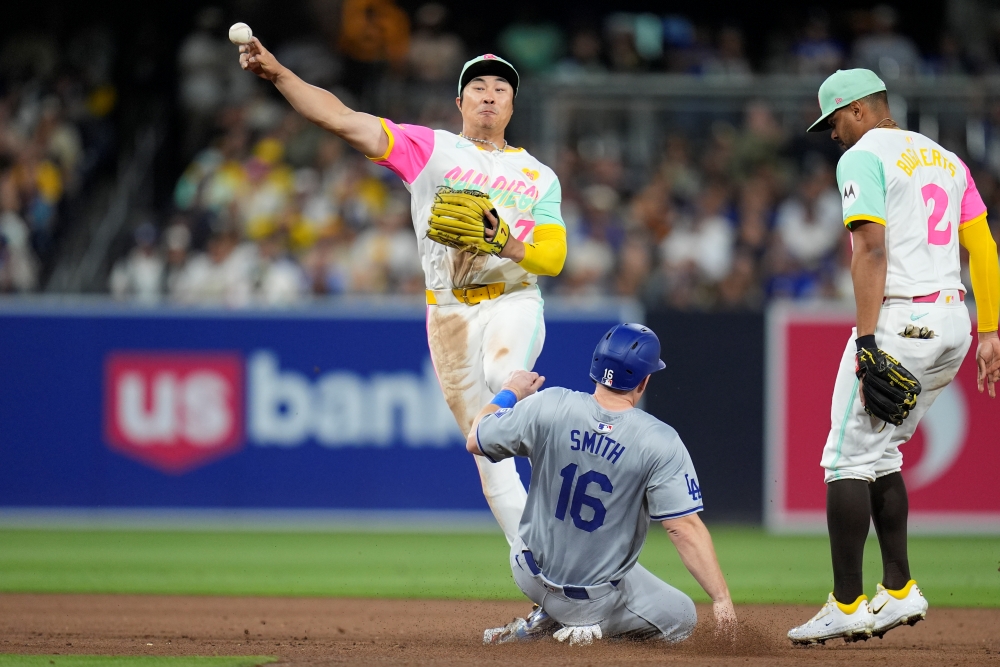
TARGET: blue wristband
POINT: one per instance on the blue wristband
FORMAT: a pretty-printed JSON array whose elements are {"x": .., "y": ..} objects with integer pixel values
[{"x": 505, "y": 399}]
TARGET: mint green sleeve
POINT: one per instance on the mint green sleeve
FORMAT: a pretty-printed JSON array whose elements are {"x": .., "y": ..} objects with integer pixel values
[
  {"x": 548, "y": 209},
  {"x": 861, "y": 179}
]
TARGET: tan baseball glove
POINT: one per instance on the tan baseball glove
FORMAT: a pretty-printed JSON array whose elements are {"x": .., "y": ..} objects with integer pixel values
[{"x": 459, "y": 220}]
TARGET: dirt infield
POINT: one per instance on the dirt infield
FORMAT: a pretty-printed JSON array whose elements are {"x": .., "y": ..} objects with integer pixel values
[{"x": 305, "y": 631}]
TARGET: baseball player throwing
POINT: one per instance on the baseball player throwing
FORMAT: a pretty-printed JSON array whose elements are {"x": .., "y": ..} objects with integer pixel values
[
  {"x": 908, "y": 203},
  {"x": 600, "y": 470},
  {"x": 488, "y": 222}
]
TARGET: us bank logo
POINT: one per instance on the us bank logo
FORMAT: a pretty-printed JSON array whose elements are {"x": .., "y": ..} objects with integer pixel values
[{"x": 176, "y": 412}]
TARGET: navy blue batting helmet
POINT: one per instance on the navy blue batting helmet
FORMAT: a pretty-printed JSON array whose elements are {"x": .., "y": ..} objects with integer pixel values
[{"x": 625, "y": 355}]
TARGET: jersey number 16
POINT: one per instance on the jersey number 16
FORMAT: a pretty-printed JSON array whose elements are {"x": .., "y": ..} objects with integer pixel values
[{"x": 580, "y": 498}]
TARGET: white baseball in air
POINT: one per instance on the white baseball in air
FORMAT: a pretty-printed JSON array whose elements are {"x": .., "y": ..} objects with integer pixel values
[{"x": 240, "y": 33}]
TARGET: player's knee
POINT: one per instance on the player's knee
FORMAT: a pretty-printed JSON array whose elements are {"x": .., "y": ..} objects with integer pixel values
[
  {"x": 496, "y": 375},
  {"x": 685, "y": 620}
]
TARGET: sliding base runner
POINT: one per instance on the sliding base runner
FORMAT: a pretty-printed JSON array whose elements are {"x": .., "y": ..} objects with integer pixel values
[{"x": 601, "y": 469}]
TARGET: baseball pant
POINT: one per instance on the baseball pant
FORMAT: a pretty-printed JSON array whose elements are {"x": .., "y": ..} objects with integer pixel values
[
  {"x": 638, "y": 606},
  {"x": 866, "y": 448},
  {"x": 474, "y": 349}
]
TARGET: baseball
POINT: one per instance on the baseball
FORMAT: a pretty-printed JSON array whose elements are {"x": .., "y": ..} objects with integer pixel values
[{"x": 240, "y": 33}]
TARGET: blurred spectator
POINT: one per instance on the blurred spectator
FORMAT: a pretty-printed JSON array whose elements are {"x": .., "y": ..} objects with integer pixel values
[
  {"x": 140, "y": 275},
  {"x": 584, "y": 55},
  {"x": 741, "y": 290},
  {"x": 699, "y": 248},
  {"x": 810, "y": 222},
  {"x": 177, "y": 242},
  {"x": 210, "y": 76},
  {"x": 635, "y": 41},
  {"x": 277, "y": 278},
  {"x": 384, "y": 257},
  {"x": 435, "y": 55},
  {"x": 221, "y": 276},
  {"x": 730, "y": 59},
  {"x": 374, "y": 31},
  {"x": 816, "y": 53},
  {"x": 884, "y": 50},
  {"x": 18, "y": 265},
  {"x": 533, "y": 47}
]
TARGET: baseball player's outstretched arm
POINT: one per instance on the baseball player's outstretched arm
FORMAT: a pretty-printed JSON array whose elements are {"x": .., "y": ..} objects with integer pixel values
[
  {"x": 694, "y": 545},
  {"x": 362, "y": 131},
  {"x": 868, "y": 269}
]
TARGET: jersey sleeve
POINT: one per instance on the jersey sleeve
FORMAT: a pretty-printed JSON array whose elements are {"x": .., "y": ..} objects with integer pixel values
[
  {"x": 409, "y": 151},
  {"x": 861, "y": 179},
  {"x": 973, "y": 208},
  {"x": 548, "y": 209},
  {"x": 511, "y": 431},
  {"x": 673, "y": 489}
]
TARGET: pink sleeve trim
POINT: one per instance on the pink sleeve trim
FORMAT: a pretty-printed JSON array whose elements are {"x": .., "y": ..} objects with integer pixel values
[
  {"x": 410, "y": 148},
  {"x": 972, "y": 203}
]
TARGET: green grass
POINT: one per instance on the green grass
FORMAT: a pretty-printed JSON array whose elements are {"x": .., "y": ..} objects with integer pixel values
[
  {"x": 953, "y": 571},
  {"x": 13, "y": 660}
]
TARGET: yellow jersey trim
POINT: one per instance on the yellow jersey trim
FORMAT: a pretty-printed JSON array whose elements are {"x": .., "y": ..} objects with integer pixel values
[
  {"x": 969, "y": 223},
  {"x": 867, "y": 217},
  {"x": 392, "y": 142}
]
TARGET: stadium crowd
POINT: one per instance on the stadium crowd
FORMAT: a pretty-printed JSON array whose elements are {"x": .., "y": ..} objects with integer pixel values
[
  {"x": 271, "y": 210},
  {"x": 55, "y": 134}
]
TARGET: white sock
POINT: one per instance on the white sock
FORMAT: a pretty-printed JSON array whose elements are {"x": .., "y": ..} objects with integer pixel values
[{"x": 504, "y": 492}]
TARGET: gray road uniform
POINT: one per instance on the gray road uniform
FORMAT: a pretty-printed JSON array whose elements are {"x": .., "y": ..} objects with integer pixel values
[{"x": 597, "y": 479}]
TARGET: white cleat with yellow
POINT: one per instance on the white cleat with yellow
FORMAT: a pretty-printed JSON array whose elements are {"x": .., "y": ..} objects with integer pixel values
[
  {"x": 851, "y": 622},
  {"x": 891, "y": 609}
]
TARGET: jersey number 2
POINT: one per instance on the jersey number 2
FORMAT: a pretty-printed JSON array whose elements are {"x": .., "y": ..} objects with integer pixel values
[
  {"x": 938, "y": 232},
  {"x": 580, "y": 498}
]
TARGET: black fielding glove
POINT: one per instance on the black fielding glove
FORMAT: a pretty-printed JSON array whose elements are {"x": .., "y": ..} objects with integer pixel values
[{"x": 890, "y": 391}]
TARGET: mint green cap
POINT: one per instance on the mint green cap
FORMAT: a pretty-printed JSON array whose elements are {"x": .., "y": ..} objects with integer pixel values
[
  {"x": 840, "y": 89},
  {"x": 488, "y": 65}
]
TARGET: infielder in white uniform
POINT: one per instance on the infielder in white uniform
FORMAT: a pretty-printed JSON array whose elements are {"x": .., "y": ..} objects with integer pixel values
[
  {"x": 484, "y": 313},
  {"x": 908, "y": 203}
]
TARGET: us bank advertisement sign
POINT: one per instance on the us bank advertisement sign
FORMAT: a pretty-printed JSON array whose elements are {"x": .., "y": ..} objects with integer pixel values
[
  {"x": 949, "y": 465},
  {"x": 327, "y": 410}
]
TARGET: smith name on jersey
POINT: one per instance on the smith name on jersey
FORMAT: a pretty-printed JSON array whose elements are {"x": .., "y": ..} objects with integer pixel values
[{"x": 593, "y": 472}]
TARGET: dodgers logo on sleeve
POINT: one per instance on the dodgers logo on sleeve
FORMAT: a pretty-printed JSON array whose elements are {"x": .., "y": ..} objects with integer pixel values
[
  {"x": 693, "y": 489},
  {"x": 501, "y": 412}
]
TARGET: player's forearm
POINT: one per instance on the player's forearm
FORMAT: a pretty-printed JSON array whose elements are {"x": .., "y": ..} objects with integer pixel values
[
  {"x": 546, "y": 255},
  {"x": 985, "y": 272},
  {"x": 868, "y": 270},
  {"x": 472, "y": 441},
  {"x": 694, "y": 545},
  {"x": 362, "y": 131}
]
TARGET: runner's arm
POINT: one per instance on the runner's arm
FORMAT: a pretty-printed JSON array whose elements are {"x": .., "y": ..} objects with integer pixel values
[
  {"x": 362, "y": 131},
  {"x": 694, "y": 545}
]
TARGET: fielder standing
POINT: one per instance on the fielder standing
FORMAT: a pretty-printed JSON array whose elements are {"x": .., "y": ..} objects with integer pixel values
[
  {"x": 488, "y": 222},
  {"x": 601, "y": 469},
  {"x": 908, "y": 203}
]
